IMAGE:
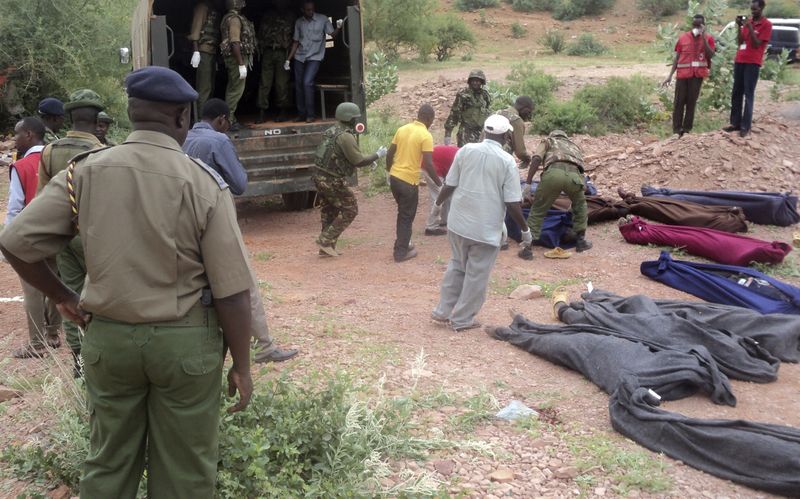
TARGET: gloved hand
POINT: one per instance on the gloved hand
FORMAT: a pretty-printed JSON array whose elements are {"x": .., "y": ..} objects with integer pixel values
[
  {"x": 287, "y": 65},
  {"x": 242, "y": 72},
  {"x": 527, "y": 238},
  {"x": 195, "y": 62},
  {"x": 447, "y": 141},
  {"x": 339, "y": 23},
  {"x": 381, "y": 152}
]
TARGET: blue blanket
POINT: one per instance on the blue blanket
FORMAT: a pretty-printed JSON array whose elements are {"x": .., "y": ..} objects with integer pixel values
[
  {"x": 555, "y": 225},
  {"x": 767, "y": 208},
  {"x": 725, "y": 284}
]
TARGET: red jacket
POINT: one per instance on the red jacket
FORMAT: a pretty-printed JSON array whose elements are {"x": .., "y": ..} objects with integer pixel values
[
  {"x": 28, "y": 171},
  {"x": 692, "y": 60}
]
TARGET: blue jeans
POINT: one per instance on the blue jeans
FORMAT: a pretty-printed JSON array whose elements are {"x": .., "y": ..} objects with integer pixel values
[
  {"x": 745, "y": 77},
  {"x": 304, "y": 75}
]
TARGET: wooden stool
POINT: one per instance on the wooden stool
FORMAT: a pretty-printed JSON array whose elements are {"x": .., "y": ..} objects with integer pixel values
[{"x": 324, "y": 88}]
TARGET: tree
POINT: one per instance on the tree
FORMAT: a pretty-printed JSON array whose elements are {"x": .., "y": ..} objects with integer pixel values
[
  {"x": 396, "y": 24},
  {"x": 449, "y": 34}
]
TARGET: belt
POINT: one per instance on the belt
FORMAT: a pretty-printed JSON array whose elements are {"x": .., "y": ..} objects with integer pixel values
[
  {"x": 693, "y": 64},
  {"x": 567, "y": 167},
  {"x": 196, "y": 316}
]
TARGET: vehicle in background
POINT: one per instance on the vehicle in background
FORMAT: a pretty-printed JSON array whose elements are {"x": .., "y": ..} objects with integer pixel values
[
  {"x": 278, "y": 157},
  {"x": 785, "y": 37}
]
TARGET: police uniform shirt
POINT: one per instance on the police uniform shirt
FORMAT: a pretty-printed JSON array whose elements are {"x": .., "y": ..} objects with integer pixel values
[{"x": 156, "y": 229}]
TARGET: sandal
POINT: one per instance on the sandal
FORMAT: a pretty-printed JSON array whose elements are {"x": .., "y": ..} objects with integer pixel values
[
  {"x": 29, "y": 352},
  {"x": 557, "y": 252},
  {"x": 560, "y": 295}
]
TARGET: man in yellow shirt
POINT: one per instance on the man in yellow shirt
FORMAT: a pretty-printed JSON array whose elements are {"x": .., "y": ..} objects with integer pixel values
[{"x": 411, "y": 148}]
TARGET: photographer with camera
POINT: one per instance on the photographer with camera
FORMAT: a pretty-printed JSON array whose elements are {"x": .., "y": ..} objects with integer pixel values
[
  {"x": 754, "y": 35},
  {"x": 693, "y": 53}
]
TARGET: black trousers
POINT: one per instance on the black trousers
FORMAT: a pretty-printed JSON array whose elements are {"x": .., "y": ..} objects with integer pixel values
[
  {"x": 407, "y": 197},
  {"x": 687, "y": 91}
]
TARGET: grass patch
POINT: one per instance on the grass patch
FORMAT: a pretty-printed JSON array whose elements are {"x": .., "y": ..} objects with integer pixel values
[
  {"x": 480, "y": 409},
  {"x": 790, "y": 267},
  {"x": 264, "y": 256}
]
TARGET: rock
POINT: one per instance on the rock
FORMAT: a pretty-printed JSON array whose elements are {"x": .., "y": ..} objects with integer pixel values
[
  {"x": 566, "y": 472},
  {"x": 62, "y": 492},
  {"x": 526, "y": 292},
  {"x": 600, "y": 491},
  {"x": 7, "y": 394},
  {"x": 502, "y": 475},
  {"x": 444, "y": 467},
  {"x": 787, "y": 163}
]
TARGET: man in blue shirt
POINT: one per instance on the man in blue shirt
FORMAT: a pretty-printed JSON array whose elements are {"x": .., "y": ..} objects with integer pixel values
[
  {"x": 208, "y": 142},
  {"x": 308, "y": 51}
]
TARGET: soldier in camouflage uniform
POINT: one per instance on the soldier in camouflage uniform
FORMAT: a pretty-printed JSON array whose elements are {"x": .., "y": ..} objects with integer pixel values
[
  {"x": 238, "y": 48},
  {"x": 337, "y": 158},
  {"x": 563, "y": 172},
  {"x": 517, "y": 115},
  {"x": 469, "y": 111},
  {"x": 205, "y": 38},
  {"x": 274, "y": 41}
]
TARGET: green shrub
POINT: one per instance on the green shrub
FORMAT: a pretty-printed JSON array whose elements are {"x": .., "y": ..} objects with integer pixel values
[
  {"x": 586, "y": 45},
  {"x": 527, "y": 79},
  {"x": 449, "y": 34},
  {"x": 782, "y": 8},
  {"x": 396, "y": 24},
  {"x": 660, "y": 8},
  {"x": 523, "y": 5},
  {"x": 571, "y": 116},
  {"x": 381, "y": 77},
  {"x": 620, "y": 103},
  {"x": 573, "y": 9},
  {"x": 475, "y": 4},
  {"x": 554, "y": 40},
  {"x": 501, "y": 94},
  {"x": 518, "y": 30}
]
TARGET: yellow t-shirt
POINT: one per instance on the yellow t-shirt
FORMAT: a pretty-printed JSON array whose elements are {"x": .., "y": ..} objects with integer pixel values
[{"x": 411, "y": 140}]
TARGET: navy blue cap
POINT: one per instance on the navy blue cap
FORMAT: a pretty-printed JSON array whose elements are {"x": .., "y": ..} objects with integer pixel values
[
  {"x": 51, "y": 106},
  {"x": 156, "y": 83}
]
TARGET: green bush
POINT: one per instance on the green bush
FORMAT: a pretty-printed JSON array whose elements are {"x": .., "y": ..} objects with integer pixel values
[
  {"x": 586, "y": 45},
  {"x": 573, "y": 9},
  {"x": 475, "y": 4},
  {"x": 449, "y": 34},
  {"x": 660, "y": 8},
  {"x": 620, "y": 103},
  {"x": 396, "y": 24},
  {"x": 526, "y": 79},
  {"x": 518, "y": 30},
  {"x": 782, "y": 8},
  {"x": 381, "y": 77},
  {"x": 571, "y": 116},
  {"x": 523, "y": 5},
  {"x": 554, "y": 40},
  {"x": 501, "y": 94}
]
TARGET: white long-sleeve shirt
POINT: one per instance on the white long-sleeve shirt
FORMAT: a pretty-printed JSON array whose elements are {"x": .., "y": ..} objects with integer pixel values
[{"x": 16, "y": 194}]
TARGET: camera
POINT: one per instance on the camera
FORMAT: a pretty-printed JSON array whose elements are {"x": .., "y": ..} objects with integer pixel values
[{"x": 740, "y": 20}]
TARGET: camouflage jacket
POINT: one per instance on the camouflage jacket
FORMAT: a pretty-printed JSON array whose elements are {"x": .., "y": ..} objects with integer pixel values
[
  {"x": 331, "y": 158},
  {"x": 560, "y": 150},
  {"x": 470, "y": 110},
  {"x": 275, "y": 30},
  {"x": 247, "y": 37}
]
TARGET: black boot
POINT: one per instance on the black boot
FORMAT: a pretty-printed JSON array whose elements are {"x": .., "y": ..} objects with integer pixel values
[
  {"x": 262, "y": 116},
  {"x": 283, "y": 116},
  {"x": 581, "y": 244},
  {"x": 525, "y": 253}
]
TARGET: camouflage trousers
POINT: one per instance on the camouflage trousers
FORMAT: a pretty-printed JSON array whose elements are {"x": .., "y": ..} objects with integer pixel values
[
  {"x": 338, "y": 207},
  {"x": 468, "y": 135}
]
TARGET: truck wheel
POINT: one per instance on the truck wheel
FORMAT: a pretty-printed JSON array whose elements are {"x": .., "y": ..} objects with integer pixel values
[{"x": 298, "y": 201}]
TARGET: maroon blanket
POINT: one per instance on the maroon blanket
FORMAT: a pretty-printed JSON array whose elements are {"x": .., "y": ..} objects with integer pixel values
[{"x": 722, "y": 247}]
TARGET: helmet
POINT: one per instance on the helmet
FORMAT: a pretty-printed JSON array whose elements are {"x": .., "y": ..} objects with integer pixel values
[
  {"x": 477, "y": 73},
  {"x": 346, "y": 111},
  {"x": 559, "y": 133},
  {"x": 235, "y": 4}
]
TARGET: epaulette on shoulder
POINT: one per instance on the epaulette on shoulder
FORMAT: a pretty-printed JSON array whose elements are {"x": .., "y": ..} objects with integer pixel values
[
  {"x": 214, "y": 174},
  {"x": 83, "y": 155}
]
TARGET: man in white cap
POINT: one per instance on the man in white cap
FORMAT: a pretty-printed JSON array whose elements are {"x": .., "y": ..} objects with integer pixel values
[{"x": 484, "y": 182}]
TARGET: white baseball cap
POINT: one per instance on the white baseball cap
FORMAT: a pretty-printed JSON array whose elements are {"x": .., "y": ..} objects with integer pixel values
[{"x": 496, "y": 124}]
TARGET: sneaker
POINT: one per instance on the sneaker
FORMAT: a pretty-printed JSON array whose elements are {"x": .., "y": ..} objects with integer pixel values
[
  {"x": 435, "y": 232},
  {"x": 560, "y": 295},
  {"x": 439, "y": 320},
  {"x": 411, "y": 253},
  {"x": 730, "y": 128},
  {"x": 557, "y": 253},
  {"x": 525, "y": 253},
  {"x": 675, "y": 136},
  {"x": 276, "y": 355}
]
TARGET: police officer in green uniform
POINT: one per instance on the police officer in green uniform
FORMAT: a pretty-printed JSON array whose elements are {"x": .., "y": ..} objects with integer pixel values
[
  {"x": 517, "y": 115},
  {"x": 205, "y": 38},
  {"x": 83, "y": 108},
  {"x": 238, "y": 48},
  {"x": 337, "y": 158},
  {"x": 563, "y": 172},
  {"x": 167, "y": 268},
  {"x": 274, "y": 41},
  {"x": 51, "y": 112},
  {"x": 469, "y": 112}
]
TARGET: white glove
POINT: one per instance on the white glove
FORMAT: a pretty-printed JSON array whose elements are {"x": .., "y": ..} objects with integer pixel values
[
  {"x": 339, "y": 23},
  {"x": 381, "y": 152},
  {"x": 447, "y": 141},
  {"x": 527, "y": 238},
  {"x": 195, "y": 59},
  {"x": 287, "y": 65},
  {"x": 242, "y": 72}
]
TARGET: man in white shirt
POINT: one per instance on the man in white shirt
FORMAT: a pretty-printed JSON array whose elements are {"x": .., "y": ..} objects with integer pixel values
[{"x": 483, "y": 182}]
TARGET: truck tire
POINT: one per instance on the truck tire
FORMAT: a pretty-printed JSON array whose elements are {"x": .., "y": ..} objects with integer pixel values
[{"x": 299, "y": 201}]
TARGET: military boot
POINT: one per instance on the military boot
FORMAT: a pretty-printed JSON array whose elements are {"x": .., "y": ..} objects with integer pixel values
[
  {"x": 526, "y": 253},
  {"x": 262, "y": 116},
  {"x": 581, "y": 244}
]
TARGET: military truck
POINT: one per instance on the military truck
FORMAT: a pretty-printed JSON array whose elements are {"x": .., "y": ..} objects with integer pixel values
[{"x": 278, "y": 157}]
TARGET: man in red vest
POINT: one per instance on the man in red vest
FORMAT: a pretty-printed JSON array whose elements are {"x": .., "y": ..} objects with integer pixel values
[
  {"x": 693, "y": 54},
  {"x": 44, "y": 320}
]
